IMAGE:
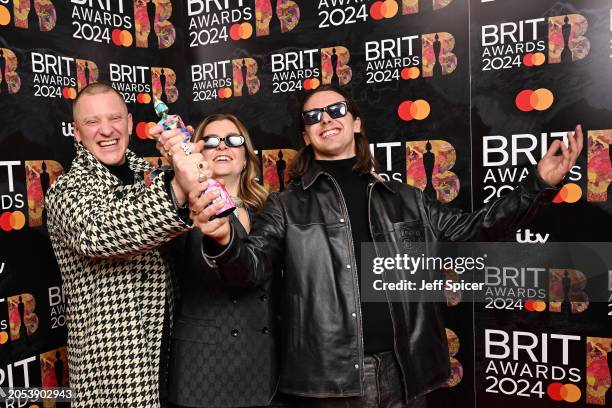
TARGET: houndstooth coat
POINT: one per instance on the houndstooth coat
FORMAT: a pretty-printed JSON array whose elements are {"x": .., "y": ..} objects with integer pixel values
[{"x": 105, "y": 237}]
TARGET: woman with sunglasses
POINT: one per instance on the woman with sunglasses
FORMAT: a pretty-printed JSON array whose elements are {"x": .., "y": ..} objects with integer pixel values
[{"x": 223, "y": 348}]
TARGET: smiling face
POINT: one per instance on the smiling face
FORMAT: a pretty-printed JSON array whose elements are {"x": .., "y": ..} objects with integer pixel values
[
  {"x": 103, "y": 125},
  {"x": 224, "y": 161},
  {"x": 331, "y": 139}
]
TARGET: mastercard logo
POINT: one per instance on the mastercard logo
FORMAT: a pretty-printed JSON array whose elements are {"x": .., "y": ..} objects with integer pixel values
[
  {"x": 241, "y": 31},
  {"x": 311, "y": 83},
  {"x": 10, "y": 221},
  {"x": 535, "y": 305},
  {"x": 224, "y": 93},
  {"x": 563, "y": 392},
  {"x": 383, "y": 9},
  {"x": 142, "y": 130},
  {"x": 69, "y": 93},
  {"x": 417, "y": 110},
  {"x": 410, "y": 73},
  {"x": 528, "y": 100},
  {"x": 5, "y": 16},
  {"x": 122, "y": 38},
  {"x": 569, "y": 193},
  {"x": 534, "y": 60},
  {"x": 143, "y": 98}
]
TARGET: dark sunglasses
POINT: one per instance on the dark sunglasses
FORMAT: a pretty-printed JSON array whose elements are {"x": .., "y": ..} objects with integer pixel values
[
  {"x": 211, "y": 142},
  {"x": 335, "y": 111}
]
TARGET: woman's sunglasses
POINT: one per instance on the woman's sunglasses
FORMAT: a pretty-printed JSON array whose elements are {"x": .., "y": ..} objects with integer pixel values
[
  {"x": 335, "y": 111},
  {"x": 211, "y": 142}
]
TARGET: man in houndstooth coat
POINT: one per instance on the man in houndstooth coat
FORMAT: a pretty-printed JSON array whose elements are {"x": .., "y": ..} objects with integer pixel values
[{"x": 105, "y": 225}]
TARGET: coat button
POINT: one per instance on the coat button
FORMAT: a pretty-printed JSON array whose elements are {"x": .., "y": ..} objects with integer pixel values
[
  {"x": 235, "y": 332},
  {"x": 234, "y": 300},
  {"x": 263, "y": 297},
  {"x": 119, "y": 194},
  {"x": 356, "y": 365},
  {"x": 341, "y": 219},
  {"x": 265, "y": 330},
  {"x": 348, "y": 266},
  {"x": 354, "y": 314}
]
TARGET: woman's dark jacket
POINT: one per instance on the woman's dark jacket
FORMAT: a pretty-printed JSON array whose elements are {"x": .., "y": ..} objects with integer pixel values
[{"x": 223, "y": 350}]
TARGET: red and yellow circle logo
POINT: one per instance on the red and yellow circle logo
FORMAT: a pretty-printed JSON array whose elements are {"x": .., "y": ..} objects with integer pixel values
[
  {"x": 224, "y": 93},
  {"x": 540, "y": 100},
  {"x": 569, "y": 193},
  {"x": 535, "y": 305},
  {"x": 311, "y": 83},
  {"x": 143, "y": 98},
  {"x": 5, "y": 16},
  {"x": 534, "y": 60},
  {"x": 410, "y": 73},
  {"x": 122, "y": 38},
  {"x": 383, "y": 9},
  {"x": 10, "y": 221},
  {"x": 417, "y": 110},
  {"x": 241, "y": 31},
  {"x": 563, "y": 392},
  {"x": 69, "y": 93},
  {"x": 142, "y": 130}
]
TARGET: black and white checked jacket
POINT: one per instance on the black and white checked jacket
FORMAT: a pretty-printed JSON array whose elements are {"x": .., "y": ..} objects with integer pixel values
[{"x": 105, "y": 236}]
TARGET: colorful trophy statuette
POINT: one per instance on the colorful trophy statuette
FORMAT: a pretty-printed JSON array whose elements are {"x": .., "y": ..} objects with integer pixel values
[
  {"x": 167, "y": 121},
  {"x": 229, "y": 205}
]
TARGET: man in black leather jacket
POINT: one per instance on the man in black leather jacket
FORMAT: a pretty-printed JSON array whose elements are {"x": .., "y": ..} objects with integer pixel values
[{"x": 336, "y": 350}]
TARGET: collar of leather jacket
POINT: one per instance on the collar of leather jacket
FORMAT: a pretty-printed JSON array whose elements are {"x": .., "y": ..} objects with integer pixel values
[{"x": 314, "y": 171}]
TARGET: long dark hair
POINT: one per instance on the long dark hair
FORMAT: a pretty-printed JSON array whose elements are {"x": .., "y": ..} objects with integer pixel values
[{"x": 305, "y": 156}]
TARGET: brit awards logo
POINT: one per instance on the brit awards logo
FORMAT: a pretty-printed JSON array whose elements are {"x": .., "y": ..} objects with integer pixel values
[
  {"x": 523, "y": 43},
  {"x": 217, "y": 21},
  {"x": 58, "y": 76},
  {"x": 507, "y": 160},
  {"x": 308, "y": 69},
  {"x": 504, "y": 158},
  {"x": 224, "y": 79},
  {"x": 410, "y": 57},
  {"x": 147, "y": 25},
  {"x": 136, "y": 83},
  {"x": 29, "y": 14},
  {"x": 559, "y": 367}
]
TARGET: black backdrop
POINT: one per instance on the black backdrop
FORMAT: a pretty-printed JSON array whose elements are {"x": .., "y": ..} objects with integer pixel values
[{"x": 488, "y": 83}]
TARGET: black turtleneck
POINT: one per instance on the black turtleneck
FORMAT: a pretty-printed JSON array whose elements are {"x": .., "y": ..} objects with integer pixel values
[
  {"x": 122, "y": 172},
  {"x": 376, "y": 318}
]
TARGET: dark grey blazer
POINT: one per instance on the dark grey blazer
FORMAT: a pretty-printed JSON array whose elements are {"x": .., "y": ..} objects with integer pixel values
[{"x": 223, "y": 351}]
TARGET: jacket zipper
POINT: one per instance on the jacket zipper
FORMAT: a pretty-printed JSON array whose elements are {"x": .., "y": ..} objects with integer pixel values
[
  {"x": 355, "y": 282},
  {"x": 393, "y": 322}
]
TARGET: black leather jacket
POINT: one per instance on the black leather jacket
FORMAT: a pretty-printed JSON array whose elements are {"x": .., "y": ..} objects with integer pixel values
[{"x": 304, "y": 234}]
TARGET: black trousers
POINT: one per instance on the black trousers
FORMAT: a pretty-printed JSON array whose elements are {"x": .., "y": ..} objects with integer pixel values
[{"x": 383, "y": 389}]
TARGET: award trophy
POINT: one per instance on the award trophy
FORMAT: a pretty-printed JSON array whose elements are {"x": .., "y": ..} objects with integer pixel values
[{"x": 169, "y": 122}]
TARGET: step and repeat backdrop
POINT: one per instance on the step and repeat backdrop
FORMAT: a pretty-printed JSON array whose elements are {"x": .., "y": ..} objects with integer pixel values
[{"x": 460, "y": 98}]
